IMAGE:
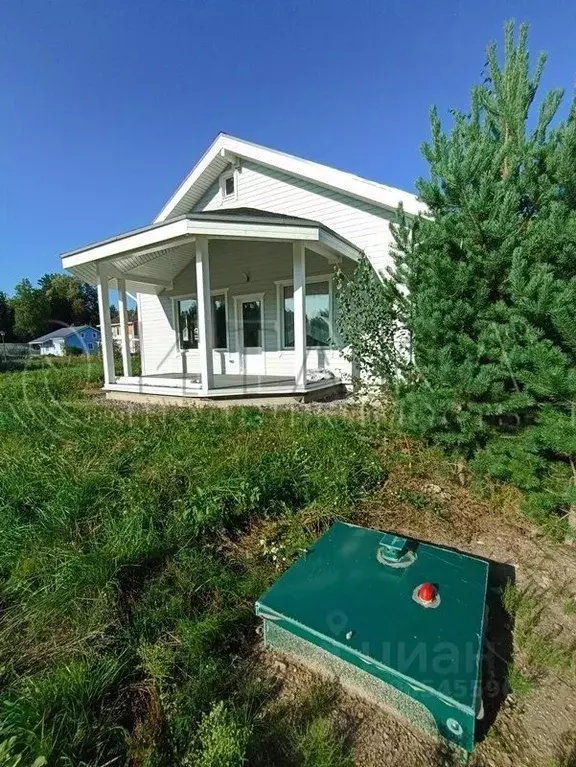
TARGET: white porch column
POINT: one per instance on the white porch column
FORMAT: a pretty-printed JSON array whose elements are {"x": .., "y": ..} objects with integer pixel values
[
  {"x": 124, "y": 336},
  {"x": 299, "y": 256},
  {"x": 105, "y": 324},
  {"x": 204, "y": 313}
]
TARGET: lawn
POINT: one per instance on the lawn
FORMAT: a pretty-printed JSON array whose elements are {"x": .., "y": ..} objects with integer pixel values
[
  {"x": 132, "y": 548},
  {"x": 133, "y": 544}
]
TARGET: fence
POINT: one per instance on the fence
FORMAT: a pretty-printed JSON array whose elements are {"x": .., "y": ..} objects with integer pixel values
[{"x": 15, "y": 351}]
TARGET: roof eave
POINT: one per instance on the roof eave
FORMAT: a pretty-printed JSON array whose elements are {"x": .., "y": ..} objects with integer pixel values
[{"x": 166, "y": 234}]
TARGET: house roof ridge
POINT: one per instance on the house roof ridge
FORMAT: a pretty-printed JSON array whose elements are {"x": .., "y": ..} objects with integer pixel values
[{"x": 62, "y": 332}]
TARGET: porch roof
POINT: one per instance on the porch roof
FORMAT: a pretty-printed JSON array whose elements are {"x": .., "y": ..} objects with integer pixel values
[{"x": 138, "y": 256}]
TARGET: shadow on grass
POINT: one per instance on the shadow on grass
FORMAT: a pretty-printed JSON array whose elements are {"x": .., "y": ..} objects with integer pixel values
[
  {"x": 305, "y": 731},
  {"x": 498, "y": 647}
]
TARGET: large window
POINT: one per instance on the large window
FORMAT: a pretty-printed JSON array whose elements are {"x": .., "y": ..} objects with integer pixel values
[
  {"x": 187, "y": 321},
  {"x": 317, "y": 315}
]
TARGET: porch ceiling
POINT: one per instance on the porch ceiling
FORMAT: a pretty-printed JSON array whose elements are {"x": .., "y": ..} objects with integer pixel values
[
  {"x": 150, "y": 258},
  {"x": 159, "y": 266}
]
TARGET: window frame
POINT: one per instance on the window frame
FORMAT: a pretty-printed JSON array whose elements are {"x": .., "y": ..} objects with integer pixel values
[
  {"x": 194, "y": 296},
  {"x": 310, "y": 279},
  {"x": 233, "y": 174}
]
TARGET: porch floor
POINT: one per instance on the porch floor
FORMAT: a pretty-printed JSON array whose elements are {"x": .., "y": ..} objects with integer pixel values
[{"x": 227, "y": 386}]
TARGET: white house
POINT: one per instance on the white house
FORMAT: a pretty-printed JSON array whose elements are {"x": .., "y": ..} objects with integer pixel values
[
  {"x": 234, "y": 277},
  {"x": 132, "y": 330}
]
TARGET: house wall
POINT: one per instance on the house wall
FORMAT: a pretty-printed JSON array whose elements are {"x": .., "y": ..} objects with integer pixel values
[
  {"x": 133, "y": 340},
  {"x": 54, "y": 347},
  {"x": 365, "y": 225},
  {"x": 82, "y": 340},
  {"x": 236, "y": 269},
  {"x": 132, "y": 330}
]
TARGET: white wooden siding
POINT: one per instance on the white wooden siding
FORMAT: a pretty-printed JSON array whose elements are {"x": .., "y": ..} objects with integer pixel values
[
  {"x": 365, "y": 225},
  {"x": 242, "y": 268}
]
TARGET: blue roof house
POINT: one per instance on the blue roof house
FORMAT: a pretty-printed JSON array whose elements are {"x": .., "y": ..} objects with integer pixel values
[{"x": 84, "y": 337}]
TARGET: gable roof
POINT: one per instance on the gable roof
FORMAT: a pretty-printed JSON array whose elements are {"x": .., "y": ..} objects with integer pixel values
[
  {"x": 226, "y": 149},
  {"x": 62, "y": 333}
]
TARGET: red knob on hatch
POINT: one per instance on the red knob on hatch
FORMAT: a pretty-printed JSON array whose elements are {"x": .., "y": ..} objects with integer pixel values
[{"x": 426, "y": 593}]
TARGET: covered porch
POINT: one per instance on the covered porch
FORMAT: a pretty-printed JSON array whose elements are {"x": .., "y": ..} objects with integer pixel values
[{"x": 223, "y": 306}]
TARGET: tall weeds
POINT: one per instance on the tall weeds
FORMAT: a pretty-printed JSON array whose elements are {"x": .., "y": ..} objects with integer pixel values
[{"x": 123, "y": 623}]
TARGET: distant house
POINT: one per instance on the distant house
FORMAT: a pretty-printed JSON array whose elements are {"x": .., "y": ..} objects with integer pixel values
[
  {"x": 132, "y": 328},
  {"x": 83, "y": 337}
]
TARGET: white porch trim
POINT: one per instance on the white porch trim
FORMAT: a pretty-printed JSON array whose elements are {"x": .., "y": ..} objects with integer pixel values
[
  {"x": 204, "y": 314},
  {"x": 299, "y": 258},
  {"x": 102, "y": 287},
  {"x": 159, "y": 236},
  {"x": 142, "y": 240},
  {"x": 179, "y": 387},
  {"x": 139, "y": 278},
  {"x": 124, "y": 335},
  {"x": 127, "y": 253}
]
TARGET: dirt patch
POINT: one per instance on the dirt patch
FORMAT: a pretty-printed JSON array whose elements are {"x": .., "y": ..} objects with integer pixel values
[
  {"x": 429, "y": 498},
  {"x": 376, "y": 736}
]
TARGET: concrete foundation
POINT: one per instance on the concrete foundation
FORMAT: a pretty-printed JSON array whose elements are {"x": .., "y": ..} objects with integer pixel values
[{"x": 332, "y": 391}]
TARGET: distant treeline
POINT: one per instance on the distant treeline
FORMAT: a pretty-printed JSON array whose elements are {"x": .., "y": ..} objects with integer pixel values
[{"x": 58, "y": 300}]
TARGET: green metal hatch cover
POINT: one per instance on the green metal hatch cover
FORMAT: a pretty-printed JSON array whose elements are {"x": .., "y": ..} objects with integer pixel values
[{"x": 354, "y": 603}]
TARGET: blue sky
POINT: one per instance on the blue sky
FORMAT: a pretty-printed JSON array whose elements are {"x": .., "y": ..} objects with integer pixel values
[{"x": 107, "y": 104}]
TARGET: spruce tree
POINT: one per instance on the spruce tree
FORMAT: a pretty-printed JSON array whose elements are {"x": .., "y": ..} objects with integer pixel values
[
  {"x": 492, "y": 320},
  {"x": 542, "y": 285},
  {"x": 486, "y": 285}
]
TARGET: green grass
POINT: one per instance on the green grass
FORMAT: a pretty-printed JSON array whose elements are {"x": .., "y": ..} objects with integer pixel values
[
  {"x": 519, "y": 683},
  {"x": 127, "y": 620},
  {"x": 318, "y": 745},
  {"x": 314, "y": 738},
  {"x": 222, "y": 738},
  {"x": 302, "y": 732},
  {"x": 537, "y": 648}
]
